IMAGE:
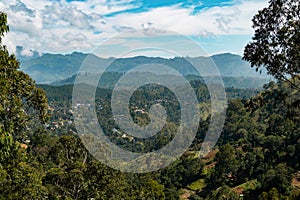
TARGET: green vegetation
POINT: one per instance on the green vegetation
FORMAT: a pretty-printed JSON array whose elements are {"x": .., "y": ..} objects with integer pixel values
[
  {"x": 275, "y": 44},
  {"x": 42, "y": 157},
  {"x": 250, "y": 185},
  {"x": 257, "y": 154},
  {"x": 109, "y": 79},
  {"x": 60, "y": 69},
  {"x": 197, "y": 185}
]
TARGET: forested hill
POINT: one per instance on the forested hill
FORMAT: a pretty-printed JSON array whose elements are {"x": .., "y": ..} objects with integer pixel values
[
  {"x": 257, "y": 155},
  {"x": 260, "y": 145},
  {"x": 54, "y": 67},
  {"x": 64, "y": 92},
  {"x": 109, "y": 79},
  {"x": 50, "y": 145}
]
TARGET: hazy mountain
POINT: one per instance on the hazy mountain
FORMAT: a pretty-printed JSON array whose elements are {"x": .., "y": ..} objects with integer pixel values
[
  {"x": 24, "y": 55},
  {"x": 109, "y": 79},
  {"x": 50, "y": 68}
]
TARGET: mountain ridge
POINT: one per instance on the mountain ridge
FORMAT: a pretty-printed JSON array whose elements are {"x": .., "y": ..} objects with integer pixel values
[{"x": 50, "y": 68}]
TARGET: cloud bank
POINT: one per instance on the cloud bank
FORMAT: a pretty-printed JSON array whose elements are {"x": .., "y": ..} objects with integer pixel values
[{"x": 62, "y": 26}]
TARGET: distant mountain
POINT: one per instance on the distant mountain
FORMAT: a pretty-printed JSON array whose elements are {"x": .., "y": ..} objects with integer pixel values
[
  {"x": 109, "y": 79},
  {"x": 234, "y": 66},
  {"x": 50, "y": 68}
]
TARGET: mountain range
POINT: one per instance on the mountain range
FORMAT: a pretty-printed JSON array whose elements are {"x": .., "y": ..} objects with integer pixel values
[{"x": 59, "y": 69}]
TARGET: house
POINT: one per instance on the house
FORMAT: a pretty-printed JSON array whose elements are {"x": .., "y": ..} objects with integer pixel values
[
  {"x": 139, "y": 111},
  {"x": 24, "y": 146}
]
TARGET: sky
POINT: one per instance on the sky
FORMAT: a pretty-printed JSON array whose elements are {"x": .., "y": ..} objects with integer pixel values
[{"x": 65, "y": 26}]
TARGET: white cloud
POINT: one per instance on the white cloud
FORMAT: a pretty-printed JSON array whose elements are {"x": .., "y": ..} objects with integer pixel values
[
  {"x": 19, "y": 6},
  {"x": 19, "y": 22},
  {"x": 59, "y": 14},
  {"x": 104, "y": 7},
  {"x": 27, "y": 52},
  {"x": 47, "y": 26},
  {"x": 217, "y": 20}
]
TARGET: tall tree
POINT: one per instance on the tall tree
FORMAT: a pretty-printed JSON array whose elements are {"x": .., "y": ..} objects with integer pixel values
[
  {"x": 226, "y": 167},
  {"x": 276, "y": 44},
  {"x": 21, "y": 102}
]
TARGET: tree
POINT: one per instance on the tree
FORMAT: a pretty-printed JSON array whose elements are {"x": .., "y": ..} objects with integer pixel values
[
  {"x": 21, "y": 181},
  {"x": 226, "y": 167},
  {"x": 67, "y": 177},
  {"x": 280, "y": 178},
  {"x": 21, "y": 102},
  {"x": 223, "y": 193},
  {"x": 275, "y": 43}
]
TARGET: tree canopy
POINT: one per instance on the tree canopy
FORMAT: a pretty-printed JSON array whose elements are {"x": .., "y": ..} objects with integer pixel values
[
  {"x": 21, "y": 102},
  {"x": 257, "y": 156},
  {"x": 275, "y": 43}
]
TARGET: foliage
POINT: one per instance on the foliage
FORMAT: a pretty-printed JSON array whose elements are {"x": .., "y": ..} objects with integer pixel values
[
  {"x": 197, "y": 185},
  {"x": 260, "y": 141},
  {"x": 21, "y": 103},
  {"x": 223, "y": 193},
  {"x": 275, "y": 44},
  {"x": 258, "y": 152},
  {"x": 226, "y": 167},
  {"x": 19, "y": 97}
]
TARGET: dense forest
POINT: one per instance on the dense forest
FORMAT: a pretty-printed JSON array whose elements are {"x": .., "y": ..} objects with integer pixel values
[{"x": 256, "y": 157}]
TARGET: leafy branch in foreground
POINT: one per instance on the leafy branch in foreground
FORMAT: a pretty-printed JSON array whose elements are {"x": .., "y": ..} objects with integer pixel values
[
  {"x": 275, "y": 43},
  {"x": 21, "y": 101}
]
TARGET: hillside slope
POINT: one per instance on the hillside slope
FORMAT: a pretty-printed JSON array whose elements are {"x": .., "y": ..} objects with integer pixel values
[{"x": 54, "y": 67}]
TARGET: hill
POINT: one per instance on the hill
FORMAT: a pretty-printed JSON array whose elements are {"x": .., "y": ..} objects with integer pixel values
[
  {"x": 109, "y": 79},
  {"x": 50, "y": 68},
  {"x": 257, "y": 154}
]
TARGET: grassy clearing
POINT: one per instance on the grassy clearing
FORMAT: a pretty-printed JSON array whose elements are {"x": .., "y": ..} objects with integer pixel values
[
  {"x": 197, "y": 185},
  {"x": 249, "y": 185}
]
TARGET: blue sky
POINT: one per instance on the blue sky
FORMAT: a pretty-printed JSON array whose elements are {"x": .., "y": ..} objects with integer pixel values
[{"x": 64, "y": 26}]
